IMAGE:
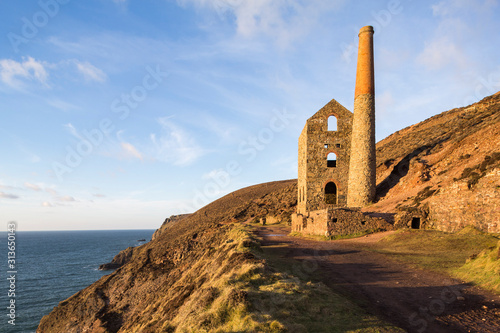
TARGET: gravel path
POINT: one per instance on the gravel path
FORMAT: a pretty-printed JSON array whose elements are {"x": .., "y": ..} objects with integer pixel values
[{"x": 415, "y": 300}]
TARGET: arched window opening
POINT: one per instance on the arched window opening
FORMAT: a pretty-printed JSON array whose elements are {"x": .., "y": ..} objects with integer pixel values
[
  {"x": 332, "y": 123},
  {"x": 331, "y": 160},
  {"x": 331, "y": 193}
]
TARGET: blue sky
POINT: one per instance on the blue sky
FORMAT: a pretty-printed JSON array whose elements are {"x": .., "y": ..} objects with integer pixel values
[{"x": 117, "y": 114}]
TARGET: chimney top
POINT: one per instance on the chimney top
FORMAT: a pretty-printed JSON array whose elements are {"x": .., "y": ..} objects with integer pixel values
[{"x": 368, "y": 28}]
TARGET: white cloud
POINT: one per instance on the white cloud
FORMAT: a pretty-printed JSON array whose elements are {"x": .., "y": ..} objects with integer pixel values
[
  {"x": 72, "y": 130},
  {"x": 46, "y": 204},
  {"x": 442, "y": 52},
  {"x": 8, "y": 195},
  {"x": 33, "y": 187},
  {"x": 175, "y": 145},
  {"x": 90, "y": 72},
  {"x": 51, "y": 191},
  {"x": 214, "y": 174},
  {"x": 66, "y": 198},
  {"x": 282, "y": 20},
  {"x": 130, "y": 150},
  {"x": 450, "y": 7},
  {"x": 12, "y": 72},
  {"x": 61, "y": 105}
]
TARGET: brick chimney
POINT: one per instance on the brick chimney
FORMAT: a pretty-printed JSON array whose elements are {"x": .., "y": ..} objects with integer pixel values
[{"x": 362, "y": 181}]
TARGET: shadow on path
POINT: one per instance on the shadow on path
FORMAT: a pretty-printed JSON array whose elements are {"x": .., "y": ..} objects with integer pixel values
[{"x": 415, "y": 300}]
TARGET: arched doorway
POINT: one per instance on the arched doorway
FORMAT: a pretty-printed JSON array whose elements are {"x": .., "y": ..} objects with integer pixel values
[{"x": 331, "y": 193}]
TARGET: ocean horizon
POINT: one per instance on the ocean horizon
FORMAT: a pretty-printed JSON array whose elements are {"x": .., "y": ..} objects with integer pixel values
[{"x": 51, "y": 266}]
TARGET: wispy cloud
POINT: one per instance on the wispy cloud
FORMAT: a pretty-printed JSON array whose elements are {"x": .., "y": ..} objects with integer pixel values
[
  {"x": 442, "y": 52},
  {"x": 449, "y": 7},
  {"x": 61, "y": 105},
  {"x": 47, "y": 204},
  {"x": 175, "y": 145},
  {"x": 282, "y": 20},
  {"x": 66, "y": 198},
  {"x": 14, "y": 73},
  {"x": 131, "y": 151},
  {"x": 90, "y": 72},
  {"x": 8, "y": 195},
  {"x": 33, "y": 187},
  {"x": 73, "y": 131},
  {"x": 51, "y": 191}
]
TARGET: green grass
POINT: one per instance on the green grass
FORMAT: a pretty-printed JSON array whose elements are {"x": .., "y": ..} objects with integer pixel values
[
  {"x": 448, "y": 253},
  {"x": 484, "y": 270}
]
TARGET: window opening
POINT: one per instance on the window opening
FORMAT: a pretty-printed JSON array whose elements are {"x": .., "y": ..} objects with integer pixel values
[
  {"x": 331, "y": 160},
  {"x": 332, "y": 123}
]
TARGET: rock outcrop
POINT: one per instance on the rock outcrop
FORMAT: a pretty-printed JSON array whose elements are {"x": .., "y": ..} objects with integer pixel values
[
  {"x": 119, "y": 260},
  {"x": 444, "y": 171}
]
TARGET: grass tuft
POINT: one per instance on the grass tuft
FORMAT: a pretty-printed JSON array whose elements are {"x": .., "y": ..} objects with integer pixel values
[{"x": 483, "y": 270}]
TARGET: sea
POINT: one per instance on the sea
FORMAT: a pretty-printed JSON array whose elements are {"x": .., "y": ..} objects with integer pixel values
[{"x": 50, "y": 266}]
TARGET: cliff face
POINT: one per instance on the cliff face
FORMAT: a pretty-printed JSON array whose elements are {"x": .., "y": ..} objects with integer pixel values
[
  {"x": 175, "y": 273},
  {"x": 444, "y": 170}
]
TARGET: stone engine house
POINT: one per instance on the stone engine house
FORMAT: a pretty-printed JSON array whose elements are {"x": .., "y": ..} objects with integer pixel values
[
  {"x": 336, "y": 159},
  {"x": 324, "y": 154}
]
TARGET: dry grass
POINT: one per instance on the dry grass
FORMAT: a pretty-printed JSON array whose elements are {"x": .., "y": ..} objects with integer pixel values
[{"x": 253, "y": 297}]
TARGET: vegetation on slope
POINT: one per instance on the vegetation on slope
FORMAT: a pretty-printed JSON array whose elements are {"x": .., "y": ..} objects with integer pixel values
[
  {"x": 483, "y": 270},
  {"x": 206, "y": 274},
  {"x": 255, "y": 297}
]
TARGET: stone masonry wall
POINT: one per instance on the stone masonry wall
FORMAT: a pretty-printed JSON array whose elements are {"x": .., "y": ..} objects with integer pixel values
[
  {"x": 362, "y": 177},
  {"x": 315, "y": 143},
  {"x": 457, "y": 206},
  {"x": 337, "y": 221}
]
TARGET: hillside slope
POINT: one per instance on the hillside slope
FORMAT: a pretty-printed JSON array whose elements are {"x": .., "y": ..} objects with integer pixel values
[
  {"x": 444, "y": 170},
  {"x": 200, "y": 276},
  {"x": 163, "y": 274}
]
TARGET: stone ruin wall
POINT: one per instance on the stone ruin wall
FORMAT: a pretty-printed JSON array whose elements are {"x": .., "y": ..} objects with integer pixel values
[
  {"x": 337, "y": 221},
  {"x": 313, "y": 171},
  {"x": 457, "y": 206}
]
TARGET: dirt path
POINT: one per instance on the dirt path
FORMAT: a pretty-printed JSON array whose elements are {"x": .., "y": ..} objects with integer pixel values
[{"x": 415, "y": 300}]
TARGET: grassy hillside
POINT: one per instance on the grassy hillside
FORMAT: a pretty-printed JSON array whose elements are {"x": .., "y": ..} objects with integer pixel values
[{"x": 202, "y": 275}]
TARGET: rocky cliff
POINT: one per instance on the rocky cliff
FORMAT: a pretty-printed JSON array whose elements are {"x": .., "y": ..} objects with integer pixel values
[
  {"x": 444, "y": 171},
  {"x": 176, "y": 275}
]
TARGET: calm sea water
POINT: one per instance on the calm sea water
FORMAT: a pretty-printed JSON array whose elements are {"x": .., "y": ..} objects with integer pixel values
[{"x": 52, "y": 266}]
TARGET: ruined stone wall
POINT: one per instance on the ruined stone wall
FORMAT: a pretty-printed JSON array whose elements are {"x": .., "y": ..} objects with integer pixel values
[
  {"x": 457, "y": 206},
  {"x": 315, "y": 143},
  {"x": 337, "y": 221}
]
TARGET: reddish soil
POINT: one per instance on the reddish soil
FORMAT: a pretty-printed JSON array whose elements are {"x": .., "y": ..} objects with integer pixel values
[{"x": 413, "y": 299}]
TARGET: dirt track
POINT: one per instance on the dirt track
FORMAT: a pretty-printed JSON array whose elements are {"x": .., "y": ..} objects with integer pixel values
[{"x": 415, "y": 300}]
